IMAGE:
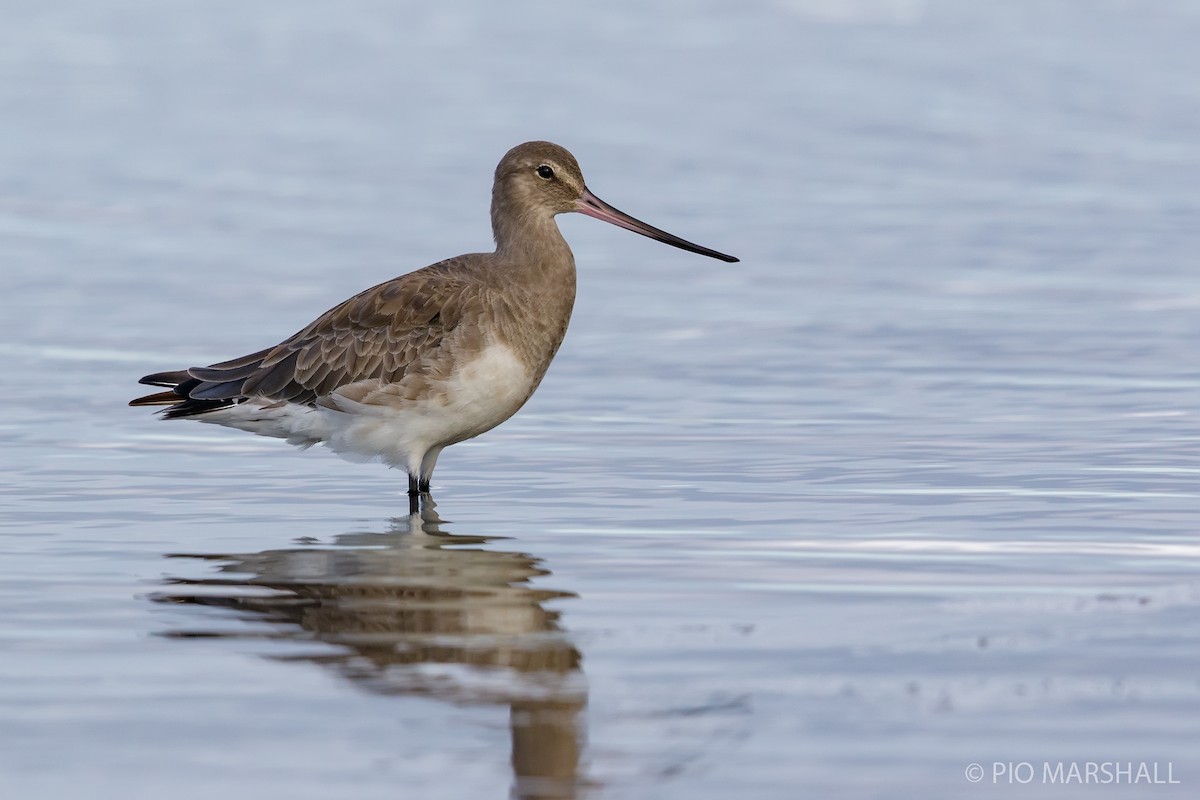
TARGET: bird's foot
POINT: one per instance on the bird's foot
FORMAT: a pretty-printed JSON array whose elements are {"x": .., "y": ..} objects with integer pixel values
[{"x": 418, "y": 491}]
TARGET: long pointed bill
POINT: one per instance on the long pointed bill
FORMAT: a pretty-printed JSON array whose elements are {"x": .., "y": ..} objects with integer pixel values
[{"x": 595, "y": 207}]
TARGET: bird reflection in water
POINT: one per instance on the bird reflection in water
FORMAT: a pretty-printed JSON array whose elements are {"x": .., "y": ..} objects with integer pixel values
[{"x": 419, "y": 611}]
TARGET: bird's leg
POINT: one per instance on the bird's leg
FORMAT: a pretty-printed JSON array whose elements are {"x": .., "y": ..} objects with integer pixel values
[
  {"x": 418, "y": 491},
  {"x": 428, "y": 462}
]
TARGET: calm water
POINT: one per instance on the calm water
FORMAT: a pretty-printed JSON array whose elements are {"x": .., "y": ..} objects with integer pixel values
[{"x": 912, "y": 487}]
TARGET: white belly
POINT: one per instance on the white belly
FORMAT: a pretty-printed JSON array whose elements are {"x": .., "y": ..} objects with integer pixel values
[{"x": 387, "y": 426}]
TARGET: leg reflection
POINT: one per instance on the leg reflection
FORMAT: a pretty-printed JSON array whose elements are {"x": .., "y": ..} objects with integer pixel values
[{"x": 392, "y": 608}]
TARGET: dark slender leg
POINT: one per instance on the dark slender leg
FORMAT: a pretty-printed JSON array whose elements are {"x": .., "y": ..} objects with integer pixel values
[{"x": 418, "y": 491}]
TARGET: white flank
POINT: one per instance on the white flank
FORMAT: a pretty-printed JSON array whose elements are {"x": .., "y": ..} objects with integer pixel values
[{"x": 384, "y": 426}]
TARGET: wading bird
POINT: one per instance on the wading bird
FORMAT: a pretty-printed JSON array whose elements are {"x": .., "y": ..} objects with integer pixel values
[{"x": 432, "y": 358}]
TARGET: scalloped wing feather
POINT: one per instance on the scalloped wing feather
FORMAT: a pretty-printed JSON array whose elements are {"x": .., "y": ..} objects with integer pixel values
[{"x": 380, "y": 334}]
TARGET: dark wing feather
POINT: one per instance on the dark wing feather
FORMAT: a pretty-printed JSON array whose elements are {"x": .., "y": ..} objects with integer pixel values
[
  {"x": 230, "y": 370},
  {"x": 173, "y": 378},
  {"x": 379, "y": 333},
  {"x": 157, "y": 399},
  {"x": 228, "y": 390}
]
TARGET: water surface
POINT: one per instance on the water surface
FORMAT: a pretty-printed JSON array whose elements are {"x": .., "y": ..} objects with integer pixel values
[{"x": 912, "y": 487}]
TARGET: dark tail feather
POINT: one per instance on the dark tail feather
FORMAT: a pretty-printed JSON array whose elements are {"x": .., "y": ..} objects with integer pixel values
[
  {"x": 199, "y": 389},
  {"x": 159, "y": 399},
  {"x": 166, "y": 378},
  {"x": 190, "y": 408},
  {"x": 178, "y": 398}
]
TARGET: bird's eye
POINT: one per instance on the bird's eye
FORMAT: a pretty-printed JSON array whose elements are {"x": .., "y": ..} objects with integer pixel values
[{"x": 545, "y": 172}]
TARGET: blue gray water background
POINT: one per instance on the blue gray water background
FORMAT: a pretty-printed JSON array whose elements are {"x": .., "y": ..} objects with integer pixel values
[{"x": 913, "y": 486}]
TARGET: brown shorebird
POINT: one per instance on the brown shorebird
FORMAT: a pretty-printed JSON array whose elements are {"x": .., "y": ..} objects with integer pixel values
[{"x": 432, "y": 358}]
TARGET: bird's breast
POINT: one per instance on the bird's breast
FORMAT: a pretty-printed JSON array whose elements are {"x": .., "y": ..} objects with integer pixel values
[
  {"x": 482, "y": 390},
  {"x": 493, "y": 377}
]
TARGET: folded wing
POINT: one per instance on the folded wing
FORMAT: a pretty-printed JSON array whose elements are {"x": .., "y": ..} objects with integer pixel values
[{"x": 379, "y": 334}]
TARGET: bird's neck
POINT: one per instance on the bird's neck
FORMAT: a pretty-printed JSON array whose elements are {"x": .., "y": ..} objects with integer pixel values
[
  {"x": 531, "y": 239},
  {"x": 538, "y": 270}
]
